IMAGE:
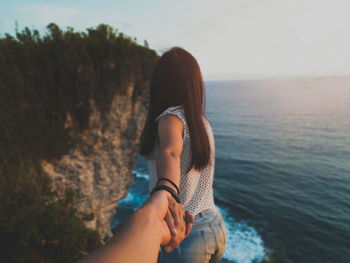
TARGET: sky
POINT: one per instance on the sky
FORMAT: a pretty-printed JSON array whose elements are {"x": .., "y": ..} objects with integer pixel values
[{"x": 229, "y": 38}]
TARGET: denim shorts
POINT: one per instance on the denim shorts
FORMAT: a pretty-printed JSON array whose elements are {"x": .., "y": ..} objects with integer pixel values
[{"x": 206, "y": 242}]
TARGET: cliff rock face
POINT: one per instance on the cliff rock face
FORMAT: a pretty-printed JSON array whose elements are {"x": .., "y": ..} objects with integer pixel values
[{"x": 100, "y": 166}]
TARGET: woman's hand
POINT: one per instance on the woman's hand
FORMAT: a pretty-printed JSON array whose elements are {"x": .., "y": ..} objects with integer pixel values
[
  {"x": 176, "y": 223},
  {"x": 179, "y": 223}
]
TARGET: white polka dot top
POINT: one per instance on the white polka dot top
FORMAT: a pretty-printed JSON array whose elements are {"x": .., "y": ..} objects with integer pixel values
[{"x": 196, "y": 188}]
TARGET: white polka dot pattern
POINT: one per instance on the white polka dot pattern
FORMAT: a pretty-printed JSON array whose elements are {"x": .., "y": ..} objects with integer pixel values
[{"x": 196, "y": 188}]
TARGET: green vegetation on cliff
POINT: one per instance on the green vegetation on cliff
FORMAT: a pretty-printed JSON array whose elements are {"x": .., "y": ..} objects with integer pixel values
[{"x": 42, "y": 80}]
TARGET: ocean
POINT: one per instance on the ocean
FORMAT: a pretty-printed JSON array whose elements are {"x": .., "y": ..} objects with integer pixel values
[{"x": 282, "y": 168}]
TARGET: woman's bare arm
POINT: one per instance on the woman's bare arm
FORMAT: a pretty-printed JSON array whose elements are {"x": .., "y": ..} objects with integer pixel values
[{"x": 170, "y": 130}]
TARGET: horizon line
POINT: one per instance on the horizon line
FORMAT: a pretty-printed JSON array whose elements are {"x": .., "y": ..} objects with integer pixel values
[{"x": 276, "y": 77}]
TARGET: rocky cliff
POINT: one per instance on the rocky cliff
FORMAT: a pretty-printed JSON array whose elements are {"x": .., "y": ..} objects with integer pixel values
[
  {"x": 100, "y": 166},
  {"x": 72, "y": 107}
]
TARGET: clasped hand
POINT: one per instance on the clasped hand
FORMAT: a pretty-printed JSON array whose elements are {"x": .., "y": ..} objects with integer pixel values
[{"x": 179, "y": 223}]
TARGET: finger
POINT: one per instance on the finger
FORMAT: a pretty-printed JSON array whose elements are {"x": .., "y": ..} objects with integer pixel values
[
  {"x": 170, "y": 222},
  {"x": 174, "y": 210},
  {"x": 189, "y": 220},
  {"x": 180, "y": 224},
  {"x": 179, "y": 216},
  {"x": 166, "y": 234},
  {"x": 168, "y": 249}
]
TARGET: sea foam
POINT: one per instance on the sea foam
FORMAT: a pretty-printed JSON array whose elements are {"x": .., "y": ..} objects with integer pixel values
[{"x": 243, "y": 243}]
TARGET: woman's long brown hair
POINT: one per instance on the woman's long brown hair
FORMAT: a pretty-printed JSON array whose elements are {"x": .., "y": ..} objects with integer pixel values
[{"x": 177, "y": 80}]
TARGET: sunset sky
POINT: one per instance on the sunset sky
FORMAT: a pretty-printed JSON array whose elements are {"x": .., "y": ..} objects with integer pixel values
[{"x": 229, "y": 38}]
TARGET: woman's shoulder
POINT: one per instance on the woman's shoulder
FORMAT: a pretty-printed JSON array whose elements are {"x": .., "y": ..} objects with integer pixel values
[
  {"x": 174, "y": 110},
  {"x": 179, "y": 112}
]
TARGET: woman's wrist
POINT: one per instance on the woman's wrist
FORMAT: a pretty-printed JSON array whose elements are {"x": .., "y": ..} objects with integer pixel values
[
  {"x": 166, "y": 183},
  {"x": 168, "y": 189},
  {"x": 170, "y": 183}
]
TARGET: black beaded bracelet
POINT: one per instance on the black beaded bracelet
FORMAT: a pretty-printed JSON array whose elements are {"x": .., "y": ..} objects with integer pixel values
[
  {"x": 168, "y": 180},
  {"x": 168, "y": 189}
]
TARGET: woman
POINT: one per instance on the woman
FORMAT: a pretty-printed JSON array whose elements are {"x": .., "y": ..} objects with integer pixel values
[{"x": 178, "y": 143}]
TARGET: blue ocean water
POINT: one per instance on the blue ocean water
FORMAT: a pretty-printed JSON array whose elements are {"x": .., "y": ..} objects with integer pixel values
[{"x": 282, "y": 172}]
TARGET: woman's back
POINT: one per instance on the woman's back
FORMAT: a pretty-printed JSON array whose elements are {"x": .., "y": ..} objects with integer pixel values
[
  {"x": 196, "y": 188},
  {"x": 177, "y": 80}
]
